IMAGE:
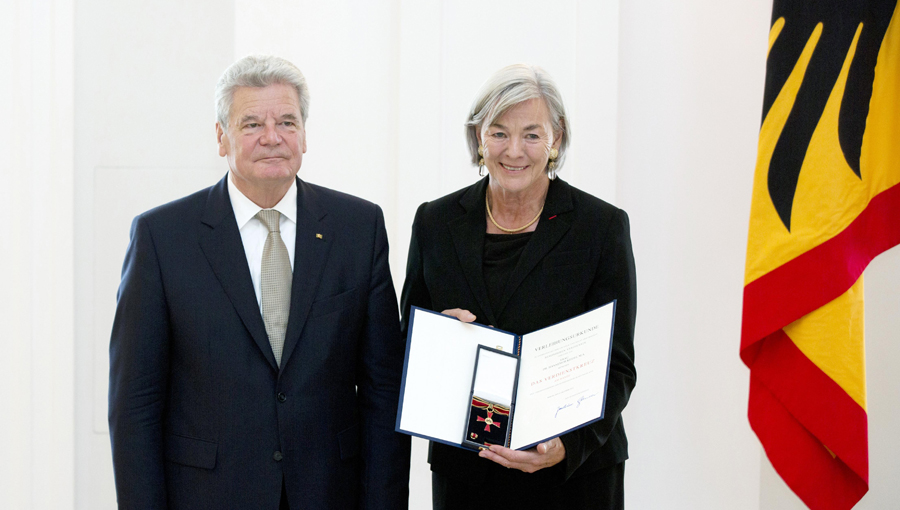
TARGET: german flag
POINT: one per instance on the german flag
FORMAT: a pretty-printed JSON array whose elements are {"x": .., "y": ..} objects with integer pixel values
[{"x": 826, "y": 201}]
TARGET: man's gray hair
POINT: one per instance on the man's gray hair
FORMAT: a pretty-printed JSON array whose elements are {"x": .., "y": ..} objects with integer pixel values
[
  {"x": 505, "y": 89},
  {"x": 258, "y": 71}
]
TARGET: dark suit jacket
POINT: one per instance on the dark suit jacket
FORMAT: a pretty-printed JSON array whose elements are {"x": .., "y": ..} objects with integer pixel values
[
  {"x": 200, "y": 415},
  {"x": 578, "y": 258}
]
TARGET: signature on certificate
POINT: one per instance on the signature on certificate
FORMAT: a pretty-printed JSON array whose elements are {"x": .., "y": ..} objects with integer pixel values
[
  {"x": 583, "y": 398},
  {"x": 577, "y": 404},
  {"x": 560, "y": 408}
]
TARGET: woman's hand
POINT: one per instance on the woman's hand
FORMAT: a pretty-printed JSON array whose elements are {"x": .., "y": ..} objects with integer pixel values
[
  {"x": 543, "y": 456},
  {"x": 459, "y": 313}
]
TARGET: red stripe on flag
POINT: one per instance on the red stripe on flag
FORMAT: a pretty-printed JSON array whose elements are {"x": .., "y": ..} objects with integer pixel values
[
  {"x": 821, "y": 274},
  {"x": 794, "y": 409},
  {"x": 818, "y": 402},
  {"x": 822, "y": 482},
  {"x": 806, "y": 467}
]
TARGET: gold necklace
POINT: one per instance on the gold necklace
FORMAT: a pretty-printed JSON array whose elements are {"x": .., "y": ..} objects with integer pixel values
[{"x": 487, "y": 206}]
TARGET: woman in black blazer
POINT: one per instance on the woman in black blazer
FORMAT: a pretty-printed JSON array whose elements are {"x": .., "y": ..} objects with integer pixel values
[{"x": 521, "y": 250}]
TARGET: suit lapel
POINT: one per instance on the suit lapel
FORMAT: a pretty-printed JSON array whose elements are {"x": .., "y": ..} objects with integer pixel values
[
  {"x": 546, "y": 236},
  {"x": 468, "y": 238},
  {"x": 314, "y": 240},
  {"x": 221, "y": 243}
]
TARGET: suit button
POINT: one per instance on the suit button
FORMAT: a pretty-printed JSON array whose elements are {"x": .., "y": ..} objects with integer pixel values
[
  {"x": 277, "y": 456},
  {"x": 281, "y": 397}
]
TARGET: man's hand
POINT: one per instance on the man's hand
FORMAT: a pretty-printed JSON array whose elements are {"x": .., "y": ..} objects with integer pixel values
[{"x": 543, "y": 456}]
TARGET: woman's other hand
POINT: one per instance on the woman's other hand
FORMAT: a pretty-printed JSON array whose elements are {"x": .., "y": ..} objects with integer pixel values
[{"x": 459, "y": 313}]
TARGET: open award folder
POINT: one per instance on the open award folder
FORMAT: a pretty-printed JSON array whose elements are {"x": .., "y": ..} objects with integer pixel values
[{"x": 470, "y": 385}]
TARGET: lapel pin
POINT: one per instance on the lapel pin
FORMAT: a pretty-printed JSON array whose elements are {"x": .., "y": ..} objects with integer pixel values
[
  {"x": 319, "y": 236},
  {"x": 551, "y": 217}
]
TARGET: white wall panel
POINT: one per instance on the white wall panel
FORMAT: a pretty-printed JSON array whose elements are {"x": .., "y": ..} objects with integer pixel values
[
  {"x": 144, "y": 135},
  {"x": 420, "y": 152},
  {"x": 15, "y": 366},
  {"x": 594, "y": 107},
  {"x": 36, "y": 309},
  {"x": 690, "y": 93}
]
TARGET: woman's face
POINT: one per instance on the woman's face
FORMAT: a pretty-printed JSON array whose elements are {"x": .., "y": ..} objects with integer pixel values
[{"x": 517, "y": 147}]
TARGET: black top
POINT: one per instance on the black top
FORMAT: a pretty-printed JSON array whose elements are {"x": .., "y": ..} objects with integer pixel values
[{"x": 501, "y": 253}]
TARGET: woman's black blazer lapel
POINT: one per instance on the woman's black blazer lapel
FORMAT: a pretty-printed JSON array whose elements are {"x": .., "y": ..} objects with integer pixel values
[{"x": 467, "y": 232}]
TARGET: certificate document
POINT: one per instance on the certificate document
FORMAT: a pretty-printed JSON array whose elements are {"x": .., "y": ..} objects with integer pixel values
[{"x": 469, "y": 385}]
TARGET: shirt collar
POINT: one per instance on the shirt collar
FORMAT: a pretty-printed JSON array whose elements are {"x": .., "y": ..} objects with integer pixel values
[{"x": 245, "y": 209}]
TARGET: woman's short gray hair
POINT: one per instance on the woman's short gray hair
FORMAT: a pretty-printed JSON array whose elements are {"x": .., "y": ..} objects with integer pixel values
[
  {"x": 509, "y": 87},
  {"x": 258, "y": 71}
]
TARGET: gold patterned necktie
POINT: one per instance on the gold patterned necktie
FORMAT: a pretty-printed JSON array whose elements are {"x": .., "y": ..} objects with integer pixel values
[{"x": 275, "y": 282}]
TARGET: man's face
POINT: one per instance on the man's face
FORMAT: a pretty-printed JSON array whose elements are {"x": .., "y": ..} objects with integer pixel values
[{"x": 265, "y": 140}]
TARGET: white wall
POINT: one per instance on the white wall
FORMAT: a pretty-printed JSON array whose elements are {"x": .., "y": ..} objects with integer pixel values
[
  {"x": 144, "y": 135},
  {"x": 37, "y": 443},
  {"x": 691, "y": 81},
  {"x": 665, "y": 100}
]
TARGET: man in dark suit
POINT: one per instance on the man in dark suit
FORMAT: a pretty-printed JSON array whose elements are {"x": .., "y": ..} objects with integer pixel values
[{"x": 255, "y": 357}]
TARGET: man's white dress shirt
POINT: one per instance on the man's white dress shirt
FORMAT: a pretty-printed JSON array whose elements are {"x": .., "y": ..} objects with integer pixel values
[{"x": 254, "y": 233}]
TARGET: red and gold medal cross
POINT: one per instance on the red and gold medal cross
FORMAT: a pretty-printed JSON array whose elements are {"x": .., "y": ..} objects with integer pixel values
[
  {"x": 826, "y": 201},
  {"x": 489, "y": 421},
  {"x": 491, "y": 409}
]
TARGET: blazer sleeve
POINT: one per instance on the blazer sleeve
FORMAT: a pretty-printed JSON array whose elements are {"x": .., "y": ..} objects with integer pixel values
[
  {"x": 386, "y": 453},
  {"x": 138, "y": 356},
  {"x": 616, "y": 279},
  {"x": 415, "y": 292}
]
